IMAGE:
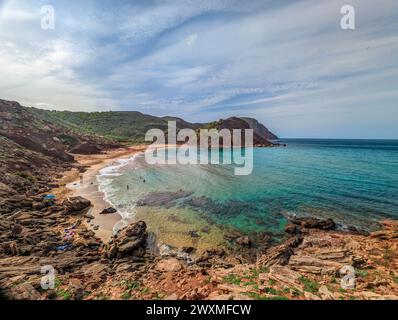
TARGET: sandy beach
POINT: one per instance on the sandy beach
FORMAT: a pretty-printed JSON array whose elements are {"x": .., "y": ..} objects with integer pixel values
[
  {"x": 168, "y": 230},
  {"x": 74, "y": 183}
]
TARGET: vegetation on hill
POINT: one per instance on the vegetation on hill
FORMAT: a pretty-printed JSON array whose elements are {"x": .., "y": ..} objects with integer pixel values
[
  {"x": 130, "y": 126},
  {"x": 123, "y": 126}
]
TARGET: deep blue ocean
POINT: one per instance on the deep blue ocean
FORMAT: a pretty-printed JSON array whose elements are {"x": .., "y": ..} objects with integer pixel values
[{"x": 355, "y": 182}]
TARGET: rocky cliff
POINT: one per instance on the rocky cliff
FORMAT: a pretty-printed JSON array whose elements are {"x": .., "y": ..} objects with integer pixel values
[
  {"x": 259, "y": 140},
  {"x": 33, "y": 150},
  {"x": 260, "y": 129},
  {"x": 29, "y": 130}
]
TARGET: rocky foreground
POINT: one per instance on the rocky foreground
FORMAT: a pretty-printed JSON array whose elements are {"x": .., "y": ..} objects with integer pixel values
[{"x": 37, "y": 232}]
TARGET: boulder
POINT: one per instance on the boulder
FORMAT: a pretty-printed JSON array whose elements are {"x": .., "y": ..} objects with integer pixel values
[
  {"x": 38, "y": 205},
  {"x": 76, "y": 205},
  {"x": 24, "y": 292},
  {"x": 279, "y": 255},
  {"x": 292, "y": 229},
  {"x": 130, "y": 241},
  {"x": 169, "y": 265},
  {"x": 108, "y": 211},
  {"x": 313, "y": 223}
]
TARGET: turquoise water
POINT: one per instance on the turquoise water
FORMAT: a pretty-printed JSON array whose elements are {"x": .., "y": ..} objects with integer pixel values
[{"x": 354, "y": 182}]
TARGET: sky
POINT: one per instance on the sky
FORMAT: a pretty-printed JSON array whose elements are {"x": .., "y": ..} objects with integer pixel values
[{"x": 288, "y": 64}]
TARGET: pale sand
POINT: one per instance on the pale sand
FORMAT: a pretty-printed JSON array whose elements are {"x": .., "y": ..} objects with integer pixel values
[{"x": 72, "y": 185}]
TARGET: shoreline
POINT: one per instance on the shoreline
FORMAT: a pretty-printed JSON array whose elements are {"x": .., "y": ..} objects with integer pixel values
[{"x": 85, "y": 184}]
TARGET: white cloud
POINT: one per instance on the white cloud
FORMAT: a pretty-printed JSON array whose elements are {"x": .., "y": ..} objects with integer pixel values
[{"x": 277, "y": 61}]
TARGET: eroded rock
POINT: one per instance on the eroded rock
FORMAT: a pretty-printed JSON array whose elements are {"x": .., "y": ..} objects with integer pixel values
[
  {"x": 279, "y": 255},
  {"x": 130, "y": 241},
  {"x": 76, "y": 205}
]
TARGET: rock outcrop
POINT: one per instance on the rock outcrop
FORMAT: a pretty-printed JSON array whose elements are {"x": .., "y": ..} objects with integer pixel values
[
  {"x": 109, "y": 210},
  {"x": 279, "y": 255},
  {"x": 260, "y": 129},
  {"x": 312, "y": 223},
  {"x": 76, "y": 205},
  {"x": 130, "y": 241},
  {"x": 238, "y": 123}
]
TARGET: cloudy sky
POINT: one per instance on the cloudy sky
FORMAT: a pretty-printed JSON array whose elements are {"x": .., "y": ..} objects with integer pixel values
[{"x": 287, "y": 63}]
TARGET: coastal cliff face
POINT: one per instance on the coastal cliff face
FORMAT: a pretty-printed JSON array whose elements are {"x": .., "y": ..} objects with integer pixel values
[
  {"x": 33, "y": 149},
  {"x": 260, "y": 129},
  {"x": 36, "y": 231},
  {"x": 260, "y": 136},
  {"x": 238, "y": 123}
]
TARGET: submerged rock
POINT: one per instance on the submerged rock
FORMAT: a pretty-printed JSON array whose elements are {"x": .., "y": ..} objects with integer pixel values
[
  {"x": 159, "y": 199},
  {"x": 193, "y": 234},
  {"x": 313, "y": 223}
]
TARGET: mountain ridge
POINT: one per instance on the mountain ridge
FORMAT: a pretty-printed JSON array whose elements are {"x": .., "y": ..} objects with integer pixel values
[{"x": 130, "y": 126}]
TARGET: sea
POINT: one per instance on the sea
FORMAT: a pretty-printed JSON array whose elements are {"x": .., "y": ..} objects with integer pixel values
[{"x": 354, "y": 182}]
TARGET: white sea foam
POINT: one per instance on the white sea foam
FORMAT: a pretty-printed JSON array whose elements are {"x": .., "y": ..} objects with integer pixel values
[{"x": 105, "y": 178}]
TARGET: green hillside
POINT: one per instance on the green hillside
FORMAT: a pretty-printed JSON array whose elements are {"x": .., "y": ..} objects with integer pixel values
[{"x": 127, "y": 126}]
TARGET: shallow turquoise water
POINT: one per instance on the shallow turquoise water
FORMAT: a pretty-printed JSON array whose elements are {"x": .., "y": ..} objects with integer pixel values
[{"x": 352, "y": 181}]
